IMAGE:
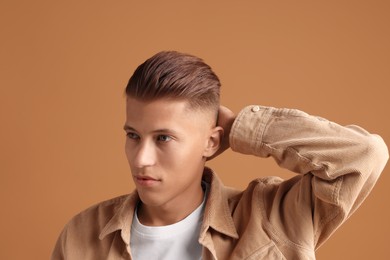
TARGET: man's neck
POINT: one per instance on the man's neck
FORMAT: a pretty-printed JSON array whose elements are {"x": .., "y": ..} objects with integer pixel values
[{"x": 171, "y": 212}]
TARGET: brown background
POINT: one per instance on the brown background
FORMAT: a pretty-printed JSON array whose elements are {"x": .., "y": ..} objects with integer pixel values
[{"x": 64, "y": 65}]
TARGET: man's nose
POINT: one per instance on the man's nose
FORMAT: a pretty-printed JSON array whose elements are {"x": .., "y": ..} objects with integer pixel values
[{"x": 145, "y": 155}]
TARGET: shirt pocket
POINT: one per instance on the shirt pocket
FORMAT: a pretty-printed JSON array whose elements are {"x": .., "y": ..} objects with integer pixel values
[{"x": 268, "y": 251}]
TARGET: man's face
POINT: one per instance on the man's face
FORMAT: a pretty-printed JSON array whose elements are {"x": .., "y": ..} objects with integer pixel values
[{"x": 166, "y": 146}]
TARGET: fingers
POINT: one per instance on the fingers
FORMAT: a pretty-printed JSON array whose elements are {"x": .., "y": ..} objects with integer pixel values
[{"x": 225, "y": 117}]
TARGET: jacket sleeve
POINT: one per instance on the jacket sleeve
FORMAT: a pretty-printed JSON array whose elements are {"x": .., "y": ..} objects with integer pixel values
[{"x": 337, "y": 165}]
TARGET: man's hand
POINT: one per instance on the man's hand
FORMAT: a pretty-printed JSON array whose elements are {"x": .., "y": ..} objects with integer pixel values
[{"x": 225, "y": 120}]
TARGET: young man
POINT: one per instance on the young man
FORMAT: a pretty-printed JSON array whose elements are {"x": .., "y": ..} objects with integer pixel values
[{"x": 181, "y": 210}]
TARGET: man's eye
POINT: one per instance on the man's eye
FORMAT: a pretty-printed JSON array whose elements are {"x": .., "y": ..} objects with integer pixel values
[
  {"x": 164, "y": 138},
  {"x": 132, "y": 135}
]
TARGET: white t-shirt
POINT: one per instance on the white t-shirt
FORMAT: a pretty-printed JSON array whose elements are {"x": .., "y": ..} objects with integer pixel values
[{"x": 176, "y": 241}]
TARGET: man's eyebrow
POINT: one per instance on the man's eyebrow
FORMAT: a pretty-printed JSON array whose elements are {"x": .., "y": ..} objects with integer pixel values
[
  {"x": 163, "y": 130},
  {"x": 127, "y": 128}
]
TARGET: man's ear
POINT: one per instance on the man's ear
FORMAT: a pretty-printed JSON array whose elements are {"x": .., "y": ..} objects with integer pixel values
[{"x": 213, "y": 142}]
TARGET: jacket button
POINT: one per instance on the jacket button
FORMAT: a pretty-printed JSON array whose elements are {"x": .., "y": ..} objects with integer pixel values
[{"x": 255, "y": 109}]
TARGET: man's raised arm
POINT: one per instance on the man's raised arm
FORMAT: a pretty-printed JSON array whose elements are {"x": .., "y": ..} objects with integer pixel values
[{"x": 338, "y": 167}]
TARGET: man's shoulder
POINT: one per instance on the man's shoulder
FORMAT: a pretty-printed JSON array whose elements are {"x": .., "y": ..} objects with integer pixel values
[
  {"x": 259, "y": 186},
  {"x": 99, "y": 213},
  {"x": 81, "y": 235},
  {"x": 263, "y": 182}
]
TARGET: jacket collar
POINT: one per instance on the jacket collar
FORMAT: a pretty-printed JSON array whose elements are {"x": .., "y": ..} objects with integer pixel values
[
  {"x": 122, "y": 219},
  {"x": 217, "y": 214}
]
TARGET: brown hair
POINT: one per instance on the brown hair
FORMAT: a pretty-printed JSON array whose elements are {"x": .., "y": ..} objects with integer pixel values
[{"x": 170, "y": 74}]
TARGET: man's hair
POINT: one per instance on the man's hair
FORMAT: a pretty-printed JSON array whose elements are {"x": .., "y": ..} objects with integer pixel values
[{"x": 176, "y": 76}]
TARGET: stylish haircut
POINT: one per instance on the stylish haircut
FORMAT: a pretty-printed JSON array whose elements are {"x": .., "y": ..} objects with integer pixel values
[{"x": 176, "y": 76}]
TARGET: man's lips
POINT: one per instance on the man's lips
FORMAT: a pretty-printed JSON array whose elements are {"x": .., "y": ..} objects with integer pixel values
[
  {"x": 145, "y": 177},
  {"x": 145, "y": 180}
]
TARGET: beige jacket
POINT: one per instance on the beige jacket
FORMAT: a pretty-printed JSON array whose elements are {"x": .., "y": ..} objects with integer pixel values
[{"x": 272, "y": 219}]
